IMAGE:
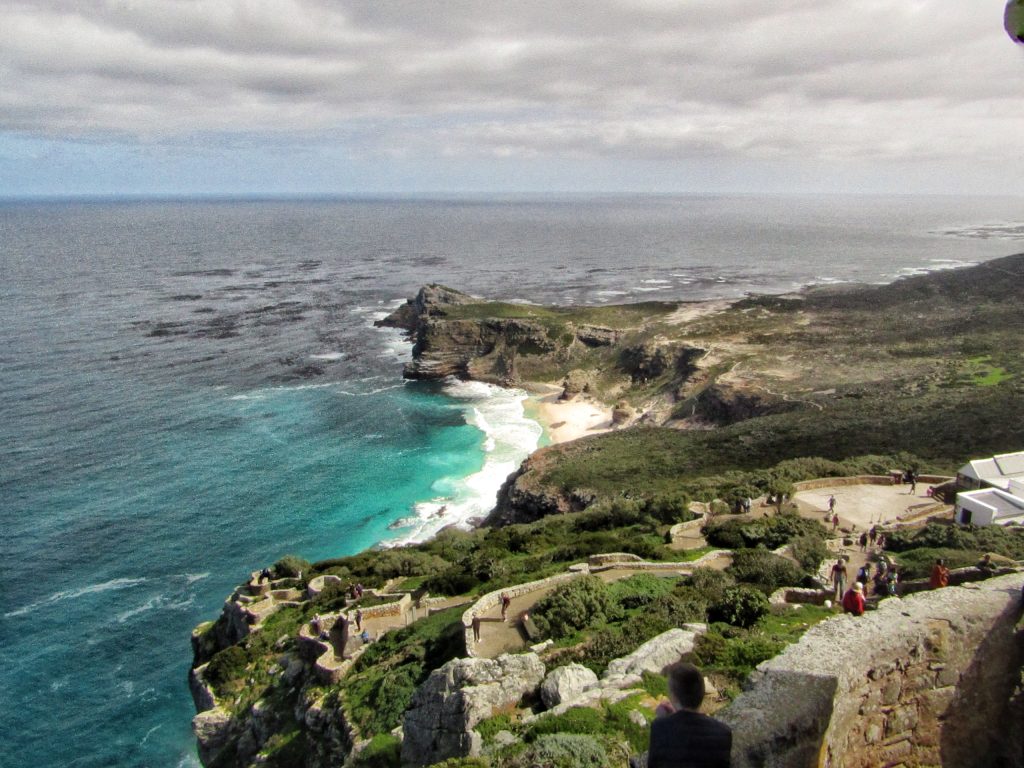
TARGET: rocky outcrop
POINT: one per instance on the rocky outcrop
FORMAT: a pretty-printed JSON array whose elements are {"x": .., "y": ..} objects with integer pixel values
[
  {"x": 596, "y": 336},
  {"x": 213, "y": 730},
  {"x": 566, "y": 684},
  {"x": 653, "y": 656},
  {"x": 576, "y": 382},
  {"x": 724, "y": 404},
  {"x": 522, "y": 498},
  {"x": 444, "y": 710}
]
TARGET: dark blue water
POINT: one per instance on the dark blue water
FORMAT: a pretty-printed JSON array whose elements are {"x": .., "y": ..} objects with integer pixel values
[{"x": 191, "y": 390}]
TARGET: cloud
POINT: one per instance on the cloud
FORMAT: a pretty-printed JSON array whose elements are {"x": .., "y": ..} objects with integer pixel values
[{"x": 653, "y": 79}]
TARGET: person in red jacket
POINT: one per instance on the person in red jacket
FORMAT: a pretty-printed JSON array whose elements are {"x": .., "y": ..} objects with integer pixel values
[
  {"x": 853, "y": 600},
  {"x": 940, "y": 574}
]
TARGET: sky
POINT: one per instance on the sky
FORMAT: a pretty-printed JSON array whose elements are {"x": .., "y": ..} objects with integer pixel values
[{"x": 345, "y": 97}]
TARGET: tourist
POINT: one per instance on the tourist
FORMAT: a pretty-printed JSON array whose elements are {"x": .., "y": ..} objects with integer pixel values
[
  {"x": 864, "y": 573},
  {"x": 839, "y": 578},
  {"x": 985, "y": 565},
  {"x": 832, "y": 504},
  {"x": 835, "y": 521},
  {"x": 359, "y": 620},
  {"x": 264, "y": 575},
  {"x": 341, "y": 630},
  {"x": 365, "y": 637},
  {"x": 864, "y": 542},
  {"x": 881, "y": 577},
  {"x": 873, "y": 535},
  {"x": 682, "y": 737},
  {"x": 476, "y": 628},
  {"x": 506, "y": 601},
  {"x": 747, "y": 504},
  {"x": 880, "y": 542},
  {"x": 892, "y": 580},
  {"x": 853, "y": 600},
  {"x": 316, "y": 625},
  {"x": 940, "y": 575}
]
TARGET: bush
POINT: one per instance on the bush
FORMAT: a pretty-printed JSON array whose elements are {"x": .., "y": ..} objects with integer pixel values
[
  {"x": 917, "y": 563},
  {"x": 997, "y": 539},
  {"x": 741, "y": 606},
  {"x": 809, "y": 551},
  {"x": 383, "y": 751},
  {"x": 576, "y": 720},
  {"x": 764, "y": 569},
  {"x": 710, "y": 584},
  {"x": 581, "y": 603},
  {"x": 226, "y": 665},
  {"x": 454, "y": 581},
  {"x": 639, "y": 590},
  {"x": 562, "y": 750},
  {"x": 769, "y": 532},
  {"x": 291, "y": 566}
]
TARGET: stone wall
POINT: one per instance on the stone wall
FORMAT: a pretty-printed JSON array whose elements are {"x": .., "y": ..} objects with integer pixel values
[
  {"x": 839, "y": 482},
  {"x": 926, "y": 679}
]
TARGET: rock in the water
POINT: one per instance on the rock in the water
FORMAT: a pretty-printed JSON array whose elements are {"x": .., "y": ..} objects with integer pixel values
[
  {"x": 444, "y": 710},
  {"x": 566, "y": 684}
]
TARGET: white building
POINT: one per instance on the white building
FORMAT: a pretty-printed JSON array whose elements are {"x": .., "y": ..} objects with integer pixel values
[{"x": 998, "y": 490}]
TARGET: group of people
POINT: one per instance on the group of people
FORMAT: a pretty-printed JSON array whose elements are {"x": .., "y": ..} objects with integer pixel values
[
  {"x": 340, "y": 630},
  {"x": 884, "y": 581},
  {"x": 872, "y": 538}
]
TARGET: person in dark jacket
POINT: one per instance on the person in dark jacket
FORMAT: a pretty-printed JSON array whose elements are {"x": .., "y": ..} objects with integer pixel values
[{"x": 681, "y": 737}]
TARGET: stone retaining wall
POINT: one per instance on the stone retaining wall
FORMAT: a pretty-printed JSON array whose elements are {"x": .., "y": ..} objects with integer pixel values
[
  {"x": 680, "y": 528},
  {"x": 926, "y": 679},
  {"x": 492, "y": 599},
  {"x": 839, "y": 482}
]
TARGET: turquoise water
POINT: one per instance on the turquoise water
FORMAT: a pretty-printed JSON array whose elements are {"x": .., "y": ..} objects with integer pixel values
[{"x": 189, "y": 391}]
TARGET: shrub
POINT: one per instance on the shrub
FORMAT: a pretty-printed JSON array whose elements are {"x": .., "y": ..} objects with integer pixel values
[
  {"x": 710, "y": 584},
  {"x": 576, "y": 720},
  {"x": 1008, "y": 542},
  {"x": 669, "y": 508},
  {"x": 741, "y": 606},
  {"x": 454, "y": 581},
  {"x": 291, "y": 566},
  {"x": 917, "y": 563},
  {"x": 226, "y": 665},
  {"x": 764, "y": 569},
  {"x": 809, "y": 551},
  {"x": 562, "y": 750},
  {"x": 602, "y": 647},
  {"x": 383, "y": 751},
  {"x": 638, "y": 590},
  {"x": 581, "y": 603}
]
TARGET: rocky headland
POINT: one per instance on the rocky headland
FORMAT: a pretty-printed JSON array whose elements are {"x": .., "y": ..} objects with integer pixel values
[{"x": 708, "y": 404}]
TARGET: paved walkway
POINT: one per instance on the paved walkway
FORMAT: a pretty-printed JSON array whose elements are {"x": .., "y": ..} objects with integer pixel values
[
  {"x": 861, "y": 506},
  {"x": 498, "y": 637}
]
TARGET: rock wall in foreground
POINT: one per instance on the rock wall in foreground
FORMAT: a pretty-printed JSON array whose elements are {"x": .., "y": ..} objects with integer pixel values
[{"x": 928, "y": 680}]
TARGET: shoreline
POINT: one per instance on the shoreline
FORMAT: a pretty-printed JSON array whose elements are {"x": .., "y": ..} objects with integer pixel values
[{"x": 566, "y": 420}]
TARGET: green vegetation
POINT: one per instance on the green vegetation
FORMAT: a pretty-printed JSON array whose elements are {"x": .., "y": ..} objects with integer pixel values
[
  {"x": 378, "y": 689},
  {"x": 770, "y": 532}
]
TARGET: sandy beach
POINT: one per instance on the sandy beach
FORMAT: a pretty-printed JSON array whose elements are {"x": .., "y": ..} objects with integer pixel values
[{"x": 566, "y": 420}]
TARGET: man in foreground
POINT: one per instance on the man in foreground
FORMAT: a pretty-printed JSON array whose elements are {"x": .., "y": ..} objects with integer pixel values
[{"x": 681, "y": 737}]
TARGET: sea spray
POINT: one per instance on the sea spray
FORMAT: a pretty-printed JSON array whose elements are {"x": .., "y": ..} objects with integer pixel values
[{"x": 509, "y": 436}]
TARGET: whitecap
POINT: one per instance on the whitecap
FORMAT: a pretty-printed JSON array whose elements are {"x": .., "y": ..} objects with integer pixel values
[
  {"x": 194, "y": 577},
  {"x": 150, "y": 732},
  {"x": 509, "y": 436},
  {"x": 328, "y": 356},
  {"x": 72, "y": 594}
]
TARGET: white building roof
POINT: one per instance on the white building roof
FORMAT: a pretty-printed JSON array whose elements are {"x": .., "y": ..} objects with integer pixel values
[{"x": 998, "y": 470}]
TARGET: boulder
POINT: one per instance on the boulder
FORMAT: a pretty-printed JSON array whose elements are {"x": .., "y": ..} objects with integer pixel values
[
  {"x": 565, "y": 684},
  {"x": 597, "y": 336},
  {"x": 444, "y": 710},
  {"x": 654, "y": 655},
  {"x": 622, "y": 413},
  {"x": 212, "y": 730}
]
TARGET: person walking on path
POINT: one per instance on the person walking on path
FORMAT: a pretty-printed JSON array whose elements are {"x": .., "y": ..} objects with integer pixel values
[
  {"x": 832, "y": 504},
  {"x": 341, "y": 628},
  {"x": 476, "y": 628},
  {"x": 835, "y": 521},
  {"x": 940, "y": 575},
  {"x": 839, "y": 578},
  {"x": 359, "y": 620},
  {"x": 682, "y": 737},
  {"x": 506, "y": 601},
  {"x": 853, "y": 600}
]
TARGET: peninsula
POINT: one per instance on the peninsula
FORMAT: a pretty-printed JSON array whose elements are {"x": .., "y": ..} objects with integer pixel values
[{"x": 616, "y": 553}]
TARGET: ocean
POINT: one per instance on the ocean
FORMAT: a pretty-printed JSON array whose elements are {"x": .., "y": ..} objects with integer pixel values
[{"x": 193, "y": 389}]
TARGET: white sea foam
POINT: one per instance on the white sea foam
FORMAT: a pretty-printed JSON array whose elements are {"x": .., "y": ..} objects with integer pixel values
[
  {"x": 657, "y": 281},
  {"x": 71, "y": 594},
  {"x": 328, "y": 356},
  {"x": 509, "y": 437}
]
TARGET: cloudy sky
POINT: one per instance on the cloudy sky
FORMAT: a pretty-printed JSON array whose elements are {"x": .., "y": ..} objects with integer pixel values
[{"x": 379, "y": 97}]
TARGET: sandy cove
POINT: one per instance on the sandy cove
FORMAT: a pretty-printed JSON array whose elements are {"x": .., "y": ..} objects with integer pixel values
[{"x": 565, "y": 420}]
